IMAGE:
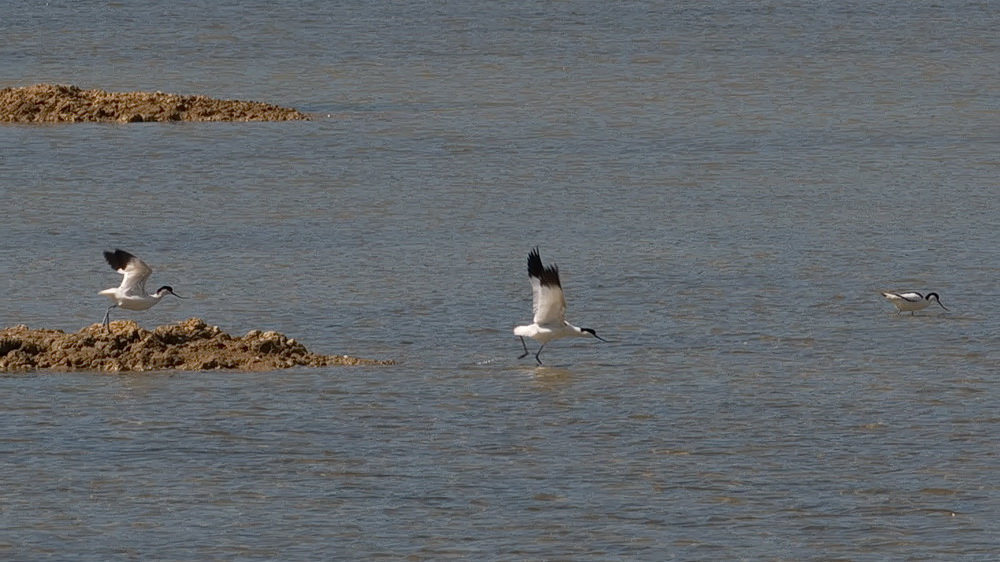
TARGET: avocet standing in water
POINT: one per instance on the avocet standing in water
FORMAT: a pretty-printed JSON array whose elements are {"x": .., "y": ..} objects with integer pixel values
[
  {"x": 549, "y": 306},
  {"x": 131, "y": 294},
  {"x": 910, "y": 302}
]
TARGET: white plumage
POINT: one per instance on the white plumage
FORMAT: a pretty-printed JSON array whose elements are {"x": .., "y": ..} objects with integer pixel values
[
  {"x": 131, "y": 294},
  {"x": 912, "y": 301},
  {"x": 549, "y": 307}
]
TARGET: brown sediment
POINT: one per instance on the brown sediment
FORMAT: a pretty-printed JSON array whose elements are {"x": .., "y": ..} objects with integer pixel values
[
  {"x": 53, "y": 103},
  {"x": 191, "y": 345}
]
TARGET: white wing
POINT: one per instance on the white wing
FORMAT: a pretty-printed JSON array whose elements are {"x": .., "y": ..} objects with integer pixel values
[
  {"x": 909, "y": 297},
  {"x": 135, "y": 272},
  {"x": 547, "y": 300},
  {"x": 549, "y": 304}
]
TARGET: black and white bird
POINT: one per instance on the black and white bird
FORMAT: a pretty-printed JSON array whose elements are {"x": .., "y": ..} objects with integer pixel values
[
  {"x": 131, "y": 294},
  {"x": 910, "y": 302},
  {"x": 549, "y": 306}
]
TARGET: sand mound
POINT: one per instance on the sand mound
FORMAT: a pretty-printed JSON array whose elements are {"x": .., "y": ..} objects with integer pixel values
[
  {"x": 191, "y": 345},
  {"x": 50, "y": 103}
]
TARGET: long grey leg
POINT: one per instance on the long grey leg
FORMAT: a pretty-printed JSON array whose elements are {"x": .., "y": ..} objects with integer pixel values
[
  {"x": 539, "y": 353},
  {"x": 525, "y": 354},
  {"x": 107, "y": 316}
]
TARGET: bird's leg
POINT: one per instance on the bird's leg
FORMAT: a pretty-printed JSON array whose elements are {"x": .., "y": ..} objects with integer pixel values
[
  {"x": 525, "y": 354},
  {"x": 539, "y": 353},
  {"x": 107, "y": 317}
]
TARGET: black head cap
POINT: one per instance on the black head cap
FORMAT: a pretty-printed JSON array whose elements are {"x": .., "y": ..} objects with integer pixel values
[
  {"x": 168, "y": 289},
  {"x": 936, "y": 298},
  {"x": 593, "y": 333}
]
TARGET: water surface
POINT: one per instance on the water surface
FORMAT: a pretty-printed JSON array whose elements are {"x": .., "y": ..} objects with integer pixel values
[{"x": 725, "y": 188}]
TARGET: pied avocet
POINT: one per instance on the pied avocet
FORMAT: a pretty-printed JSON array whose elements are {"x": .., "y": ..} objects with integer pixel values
[
  {"x": 549, "y": 306},
  {"x": 131, "y": 294}
]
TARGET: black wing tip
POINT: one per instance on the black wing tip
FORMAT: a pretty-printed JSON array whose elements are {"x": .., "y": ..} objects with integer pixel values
[
  {"x": 546, "y": 275},
  {"x": 118, "y": 259},
  {"x": 534, "y": 261}
]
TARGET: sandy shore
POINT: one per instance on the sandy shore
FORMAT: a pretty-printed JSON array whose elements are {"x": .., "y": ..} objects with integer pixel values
[
  {"x": 51, "y": 103},
  {"x": 191, "y": 345}
]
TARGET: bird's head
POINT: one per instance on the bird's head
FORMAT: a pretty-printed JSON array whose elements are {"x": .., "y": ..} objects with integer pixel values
[
  {"x": 936, "y": 299},
  {"x": 167, "y": 290},
  {"x": 591, "y": 332}
]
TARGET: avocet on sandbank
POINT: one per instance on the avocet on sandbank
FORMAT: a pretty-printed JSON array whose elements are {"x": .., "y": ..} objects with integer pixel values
[
  {"x": 549, "y": 306},
  {"x": 912, "y": 301},
  {"x": 131, "y": 294}
]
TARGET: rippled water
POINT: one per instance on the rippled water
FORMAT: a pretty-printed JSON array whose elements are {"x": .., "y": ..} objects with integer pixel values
[{"x": 725, "y": 188}]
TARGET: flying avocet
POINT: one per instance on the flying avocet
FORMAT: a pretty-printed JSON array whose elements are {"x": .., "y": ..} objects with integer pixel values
[
  {"x": 131, "y": 294},
  {"x": 549, "y": 306},
  {"x": 909, "y": 302}
]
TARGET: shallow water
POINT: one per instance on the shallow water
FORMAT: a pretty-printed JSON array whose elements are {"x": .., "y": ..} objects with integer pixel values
[{"x": 725, "y": 190}]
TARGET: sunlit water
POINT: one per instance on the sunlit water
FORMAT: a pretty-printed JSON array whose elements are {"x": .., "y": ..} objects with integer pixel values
[{"x": 725, "y": 188}]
